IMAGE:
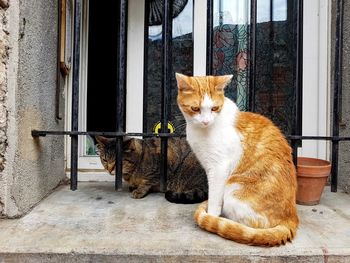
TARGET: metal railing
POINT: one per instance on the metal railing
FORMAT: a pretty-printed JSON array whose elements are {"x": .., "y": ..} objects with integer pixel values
[{"x": 296, "y": 138}]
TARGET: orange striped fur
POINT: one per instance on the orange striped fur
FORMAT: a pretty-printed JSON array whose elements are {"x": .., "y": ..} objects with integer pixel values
[{"x": 264, "y": 173}]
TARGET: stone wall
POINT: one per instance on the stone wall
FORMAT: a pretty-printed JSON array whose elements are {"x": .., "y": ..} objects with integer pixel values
[
  {"x": 4, "y": 55},
  {"x": 344, "y": 153},
  {"x": 33, "y": 167}
]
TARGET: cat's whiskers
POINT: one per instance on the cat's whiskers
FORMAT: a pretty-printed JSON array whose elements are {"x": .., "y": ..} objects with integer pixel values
[{"x": 180, "y": 126}]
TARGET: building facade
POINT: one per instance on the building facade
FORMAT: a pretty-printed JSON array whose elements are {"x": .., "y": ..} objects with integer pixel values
[
  {"x": 30, "y": 168},
  {"x": 36, "y": 94}
]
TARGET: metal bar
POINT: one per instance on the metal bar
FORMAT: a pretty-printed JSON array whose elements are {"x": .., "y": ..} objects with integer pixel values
[
  {"x": 75, "y": 96},
  {"x": 221, "y": 13},
  {"x": 37, "y": 133},
  {"x": 121, "y": 89},
  {"x": 271, "y": 10},
  {"x": 299, "y": 71},
  {"x": 294, "y": 145},
  {"x": 210, "y": 36},
  {"x": 164, "y": 164},
  {"x": 338, "y": 74},
  {"x": 252, "y": 55},
  {"x": 297, "y": 127},
  {"x": 271, "y": 62},
  {"x": 58, "y": 70},
  {"x": 166, "y": 86},
  {"x": 325, "y": 138},
  {"x": 145, "y": 66}
]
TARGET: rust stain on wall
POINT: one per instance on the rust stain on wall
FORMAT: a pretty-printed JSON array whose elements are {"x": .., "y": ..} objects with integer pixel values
[{"x": 29, "y": 147}]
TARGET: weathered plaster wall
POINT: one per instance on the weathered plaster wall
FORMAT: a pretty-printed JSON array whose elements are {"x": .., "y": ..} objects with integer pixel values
[
  {"x": 3, "y": 87},
  {"x": 344, "y": 148},
  {"x": 344, "y": 169},
  {"x": 33, "y": 166}
]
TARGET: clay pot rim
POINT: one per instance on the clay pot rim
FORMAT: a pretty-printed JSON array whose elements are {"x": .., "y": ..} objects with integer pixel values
[{"x": 326, "y": 163}]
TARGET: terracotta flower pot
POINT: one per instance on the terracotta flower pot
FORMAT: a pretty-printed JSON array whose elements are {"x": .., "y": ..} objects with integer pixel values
[{"x": 312, "y": 176}]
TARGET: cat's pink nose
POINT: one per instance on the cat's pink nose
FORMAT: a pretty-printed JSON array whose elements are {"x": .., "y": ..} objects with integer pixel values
[{"x": 205, "y": 122}]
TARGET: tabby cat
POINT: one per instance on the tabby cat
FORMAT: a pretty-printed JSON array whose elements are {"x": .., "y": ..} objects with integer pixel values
[
  {"x": 186, "y": 182},
  {"x": 248, "y": 162}
]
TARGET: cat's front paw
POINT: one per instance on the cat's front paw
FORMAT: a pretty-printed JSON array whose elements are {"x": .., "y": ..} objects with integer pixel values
[
  {"x": 215, "y": 211},
  {"x": 138, "y": 193},
  {"x": 132, "y": 188}
]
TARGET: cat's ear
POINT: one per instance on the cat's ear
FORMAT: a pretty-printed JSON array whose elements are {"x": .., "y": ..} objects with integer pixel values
[
  {"x": 133, "y": 145},
  {"x": 102, "y": 140},
  {"x": 127, "y": 140},
  {"x": 98, "y": 149},
  {"x": 101, "y": 143},
  {"x": 221, "y": 82},
  {"x": 183, "y": 83}
]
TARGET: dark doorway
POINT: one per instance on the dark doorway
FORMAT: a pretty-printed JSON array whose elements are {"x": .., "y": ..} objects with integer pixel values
[{"x": 102, "y": 65}]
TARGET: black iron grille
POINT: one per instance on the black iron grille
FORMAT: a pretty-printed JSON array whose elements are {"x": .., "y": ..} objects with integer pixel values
[{"x": 296, "y": 136}]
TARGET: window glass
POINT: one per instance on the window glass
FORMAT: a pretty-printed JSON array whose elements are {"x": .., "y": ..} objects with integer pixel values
[
  {"x": 230, "y": 46},
  {"x": 275, "y": 55},
  {"x": 182, "y": 62},
  {"x": 276, "y": 61}
]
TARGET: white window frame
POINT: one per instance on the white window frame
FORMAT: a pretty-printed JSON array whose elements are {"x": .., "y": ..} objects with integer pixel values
[
  {"x": 90, "y": 167},
  {"x": 316, "y": 77}
]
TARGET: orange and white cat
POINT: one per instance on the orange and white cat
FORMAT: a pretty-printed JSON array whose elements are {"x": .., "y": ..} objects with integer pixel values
[{"x": 248, "y": 162}]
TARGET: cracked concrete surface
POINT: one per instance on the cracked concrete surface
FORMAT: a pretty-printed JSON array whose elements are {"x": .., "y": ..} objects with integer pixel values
[{"x": 95, "y": 223}]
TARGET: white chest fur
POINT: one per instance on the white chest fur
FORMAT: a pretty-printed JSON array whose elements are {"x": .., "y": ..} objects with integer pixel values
[
  {"x": 218, "y": 145},
  {"x": 218, "y": 148}
]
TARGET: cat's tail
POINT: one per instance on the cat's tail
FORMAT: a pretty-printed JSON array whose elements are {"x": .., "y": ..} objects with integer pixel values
[
  {"x": 232, "y": 230},
  {"x": 187, "y": 197}
]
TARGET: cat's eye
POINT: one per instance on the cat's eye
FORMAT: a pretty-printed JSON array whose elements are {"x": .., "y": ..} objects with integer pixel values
[
  {"x": 195, "y": 109},
  {"x": 215, "y": 108}
]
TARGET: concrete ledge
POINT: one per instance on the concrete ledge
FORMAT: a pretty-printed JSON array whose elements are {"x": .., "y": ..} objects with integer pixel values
[
  {"x": 68, "y": 258},
  {"x": 97, "y": 224}
]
